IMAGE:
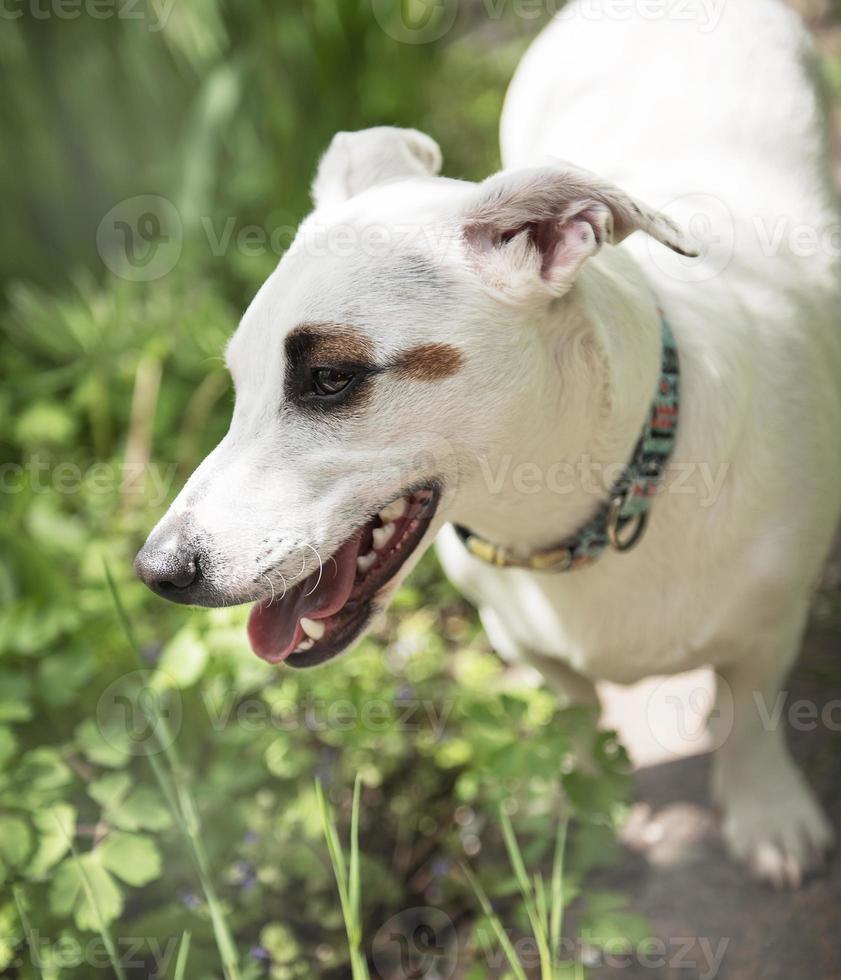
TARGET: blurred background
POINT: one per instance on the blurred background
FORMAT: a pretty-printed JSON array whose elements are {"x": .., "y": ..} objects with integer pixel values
[{"x": 156, "y": 780}]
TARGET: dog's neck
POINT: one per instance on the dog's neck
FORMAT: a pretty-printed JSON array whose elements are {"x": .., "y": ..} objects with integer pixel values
[{"x": 581, "y": 419}]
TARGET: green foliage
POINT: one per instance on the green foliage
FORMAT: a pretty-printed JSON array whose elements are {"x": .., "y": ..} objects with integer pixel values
[
  {"x": 249, "y": 740},
  {"x": 225, "y": 112}
]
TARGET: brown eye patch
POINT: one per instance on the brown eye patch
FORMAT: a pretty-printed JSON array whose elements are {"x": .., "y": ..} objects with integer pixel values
[
  {"x": 335, "y": 344},
  {"x": 428, "y": 362},
  {"x": 311, "y": 347}
]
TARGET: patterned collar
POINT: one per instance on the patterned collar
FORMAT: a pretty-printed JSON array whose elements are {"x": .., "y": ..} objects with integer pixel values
[{"x": 622, "y": 519}]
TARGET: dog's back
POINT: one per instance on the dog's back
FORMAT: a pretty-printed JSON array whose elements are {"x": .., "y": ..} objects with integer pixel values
[
  {"x": 698, "y": 94},
  {"x": 707, "y": 108}
]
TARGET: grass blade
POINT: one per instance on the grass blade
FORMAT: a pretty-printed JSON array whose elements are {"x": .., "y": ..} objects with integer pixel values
[
  {"x": 515, "y": 857},
  {"x": 538, "y": 925},
  {"x": 556, "y": 915},
  {"x": 347, "y": 882},
  {"x": 183, "y": 954},
  {"x": 542, "y": 934},
  {"x": 353, "y": 874},
  {"x": 122, "y": 615},
  {"x": 27, "y": 930},
  {"x": 496, "y": 925},
  {"x": 334, "y": 847}
]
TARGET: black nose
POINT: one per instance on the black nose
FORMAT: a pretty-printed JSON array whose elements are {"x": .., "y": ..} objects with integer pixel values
[{"x": 175, "y": 575}]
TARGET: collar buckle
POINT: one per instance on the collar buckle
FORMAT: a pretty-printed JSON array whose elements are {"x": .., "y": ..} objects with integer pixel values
[
  {"x": 616, "y": 525},
  {"x": 551, "y": 560}
]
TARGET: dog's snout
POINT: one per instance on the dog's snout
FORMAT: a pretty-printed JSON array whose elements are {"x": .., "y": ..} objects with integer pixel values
[{"x": 171, "y": 573}]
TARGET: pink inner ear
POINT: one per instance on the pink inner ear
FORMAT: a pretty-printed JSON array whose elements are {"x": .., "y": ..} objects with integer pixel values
[
  {"x": 570, "y": 245},
  {"x": 562, "y": 243},
  {"x": 567, "y": 241}
]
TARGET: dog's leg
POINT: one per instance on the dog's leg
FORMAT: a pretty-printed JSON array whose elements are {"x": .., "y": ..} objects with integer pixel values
[
  {"x": 772, "y": 819},
  {"x": 571, "y": 687},
  {"x": 572, "y": 690}
]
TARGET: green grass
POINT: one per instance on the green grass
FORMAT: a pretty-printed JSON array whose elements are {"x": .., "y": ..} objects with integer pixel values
[
  {"x": 347, "y": 876},
  {"x": 183, "y": 955},
  {"x": 173, "y": 781},
  {"x": 545, "y": 911},
  {"x": 544, "y": 907},
  {"x": 496, "y": 924},
  {"x": 20, "y": 904}
]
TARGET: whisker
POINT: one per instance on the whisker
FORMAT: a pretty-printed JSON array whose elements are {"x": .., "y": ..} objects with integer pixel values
[
  {"x": 301, "y": 572},
  {"x": 320, "y": 569}
]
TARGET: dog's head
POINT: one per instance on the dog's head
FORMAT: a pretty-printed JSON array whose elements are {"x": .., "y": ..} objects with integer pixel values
[{"x": 396, "y": 340}]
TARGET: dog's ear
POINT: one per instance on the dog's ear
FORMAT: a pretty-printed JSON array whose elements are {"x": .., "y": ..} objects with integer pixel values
[
  {"x": 356, "y": 161},
  {"x": 536, "y": 227}
]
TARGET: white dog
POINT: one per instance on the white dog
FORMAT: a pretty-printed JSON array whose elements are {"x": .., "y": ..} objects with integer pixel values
[{"x": 432, "y": 351}]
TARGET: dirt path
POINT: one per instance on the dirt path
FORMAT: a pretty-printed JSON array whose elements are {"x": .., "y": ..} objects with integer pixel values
[{"x": 712, "y": 921}]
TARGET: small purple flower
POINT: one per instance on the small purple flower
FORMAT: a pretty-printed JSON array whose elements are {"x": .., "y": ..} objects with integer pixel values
[
  {"x": 189, "y": 899},
  {"x": 150, "y": 653},
  {"x": 405, "y": 692}
]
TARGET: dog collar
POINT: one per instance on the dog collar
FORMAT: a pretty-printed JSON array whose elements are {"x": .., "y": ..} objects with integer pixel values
[{"x": 621, "y": 520}]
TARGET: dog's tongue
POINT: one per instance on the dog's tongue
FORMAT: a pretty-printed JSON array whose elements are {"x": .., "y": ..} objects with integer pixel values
[{"x": 273, "y": 626}]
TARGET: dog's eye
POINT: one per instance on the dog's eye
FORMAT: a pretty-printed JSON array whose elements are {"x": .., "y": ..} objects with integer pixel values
[{"x": 329, "y": 381}]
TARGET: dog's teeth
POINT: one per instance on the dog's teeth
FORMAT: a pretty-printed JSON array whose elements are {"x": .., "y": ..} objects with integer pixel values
[
  {"x": 364, "y": 562},
  {"x": 313, "y": 628},
  {"x": 392, "y": 511},
  {"x": 382, "y": 535},
  {"x": 304, "y": 645}
]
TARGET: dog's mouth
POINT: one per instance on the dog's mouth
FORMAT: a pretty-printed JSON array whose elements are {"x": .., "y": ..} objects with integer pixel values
[{"x": 320, "y": 616}]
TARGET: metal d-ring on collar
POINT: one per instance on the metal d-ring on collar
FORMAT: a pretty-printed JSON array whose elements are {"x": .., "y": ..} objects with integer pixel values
[
  {"x": 622, "y": 519},
  {"x": 614, "y": 527}
]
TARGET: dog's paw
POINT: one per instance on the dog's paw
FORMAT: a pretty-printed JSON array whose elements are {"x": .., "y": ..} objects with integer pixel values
[{"x": 780, "y": 841}]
